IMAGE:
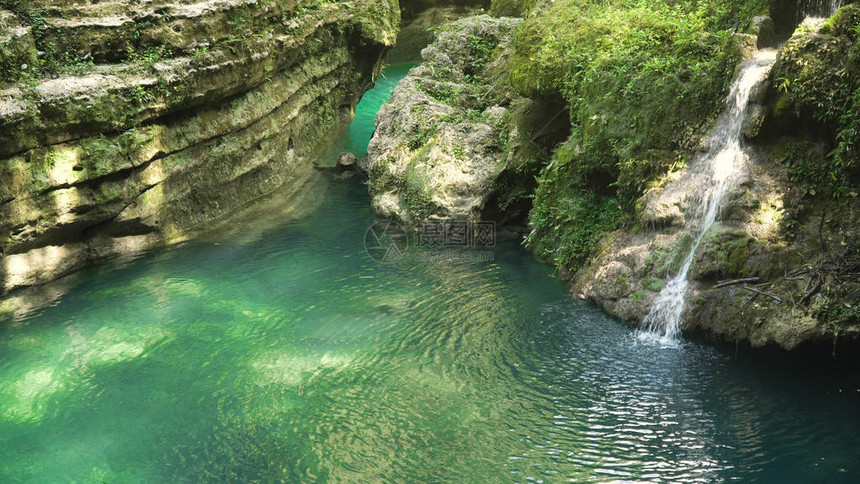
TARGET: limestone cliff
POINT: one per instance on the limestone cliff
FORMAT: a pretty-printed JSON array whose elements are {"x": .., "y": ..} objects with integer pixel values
[{"x": 126, "y": 123}]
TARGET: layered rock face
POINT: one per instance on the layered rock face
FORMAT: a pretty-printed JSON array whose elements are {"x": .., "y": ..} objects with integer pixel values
[{"x": 125, "y": 123}]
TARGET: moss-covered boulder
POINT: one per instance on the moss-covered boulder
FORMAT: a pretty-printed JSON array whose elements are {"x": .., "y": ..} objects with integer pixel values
[{"x": 439, "y": 142}]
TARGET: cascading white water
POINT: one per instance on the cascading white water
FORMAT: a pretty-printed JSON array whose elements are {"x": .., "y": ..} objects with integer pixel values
[
  {"x": 818, "y": 8},
  {"x": 724, "y": 160}
]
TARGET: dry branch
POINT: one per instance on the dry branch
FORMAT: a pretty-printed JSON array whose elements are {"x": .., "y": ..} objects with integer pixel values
[
  {"x": 752, "y": 289},
  {"x": 735, "y": 281}
]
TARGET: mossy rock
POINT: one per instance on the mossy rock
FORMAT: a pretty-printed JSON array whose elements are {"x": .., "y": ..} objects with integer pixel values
[
  {"x": 723, "y": 254},
  {"x": 844, "y": 23},
  {"x": 667, "y": 261},
  {"x": 18, "y": 56},
  {"x": 439, "y": 141},
  {"x": 764, "y": 30},
  {"x": 652, "y": 284}
]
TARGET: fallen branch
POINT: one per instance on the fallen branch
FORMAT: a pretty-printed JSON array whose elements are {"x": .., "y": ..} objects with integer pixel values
[
  {"x": 778, "y": 300},
  {"x": 735, "y": 281},
  {"x": 750, "y": 300},
  {"x": 812, "y": 289},
  {"x": 800, "y": 272}
]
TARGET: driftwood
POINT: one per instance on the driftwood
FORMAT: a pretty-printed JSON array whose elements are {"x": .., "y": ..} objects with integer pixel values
[{"x": 838, "y": 270}]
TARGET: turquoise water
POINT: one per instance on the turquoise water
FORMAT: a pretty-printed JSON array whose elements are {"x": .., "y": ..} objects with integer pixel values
[
  {"x": 274, "y": 349},
  {"x": 361, "y": 129}
]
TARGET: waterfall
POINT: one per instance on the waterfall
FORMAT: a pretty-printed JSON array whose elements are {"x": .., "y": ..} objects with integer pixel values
[
  {"x": 724, "y": 161},
  {"x": 817, "y": 8}
]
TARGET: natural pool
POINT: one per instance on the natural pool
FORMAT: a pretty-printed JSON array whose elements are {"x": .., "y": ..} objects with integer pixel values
[{"x": 274, "y": 349}]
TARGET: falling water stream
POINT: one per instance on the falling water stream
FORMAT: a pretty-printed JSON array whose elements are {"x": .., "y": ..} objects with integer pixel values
[
  {"x": 723, "y": 161},
  {"x": 818, "y": 8}
]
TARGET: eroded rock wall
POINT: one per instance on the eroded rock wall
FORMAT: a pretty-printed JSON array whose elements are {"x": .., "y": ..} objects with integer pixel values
[{"x": 124, "y": 123}]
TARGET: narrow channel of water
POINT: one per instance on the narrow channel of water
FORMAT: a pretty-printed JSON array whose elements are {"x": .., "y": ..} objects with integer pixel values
[{"x": 279, "y": 351}]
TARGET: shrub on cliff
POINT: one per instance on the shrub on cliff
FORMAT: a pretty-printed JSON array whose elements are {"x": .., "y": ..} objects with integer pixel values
[
  {"x": 817, "y": 76},
  {"x": 643, "y": 80}
]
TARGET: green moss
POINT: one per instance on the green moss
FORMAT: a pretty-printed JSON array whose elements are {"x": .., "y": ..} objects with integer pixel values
[
  {"x": 419, "y": 138},
  {"x": 668, "y": 261},
  {"x": 677, "y": 256},
  {"x": 145, "y": 41},
  {"x": 652, "y": 284},
  {"x": 724, "y": 254},
  {"x": 844, "y": 23},
  {"x": 18, "y": 58},
  {"x": 419, "y": 202}
]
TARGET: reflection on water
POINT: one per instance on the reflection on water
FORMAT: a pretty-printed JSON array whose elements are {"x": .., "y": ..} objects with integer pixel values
[{"x": 284, "y": 353}]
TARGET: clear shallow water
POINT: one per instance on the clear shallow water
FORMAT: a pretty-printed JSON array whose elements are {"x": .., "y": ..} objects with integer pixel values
[
  {"x": 284, "y": 353},
  {"x": 358, "y": 135}
]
